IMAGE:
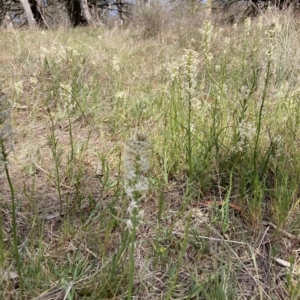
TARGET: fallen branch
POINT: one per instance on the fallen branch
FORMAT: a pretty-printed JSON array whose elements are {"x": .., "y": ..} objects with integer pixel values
[{"x": 282, "y": 231}]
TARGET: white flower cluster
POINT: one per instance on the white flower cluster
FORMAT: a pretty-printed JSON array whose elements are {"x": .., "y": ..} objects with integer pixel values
[
  {"x": 59, "y": 52},
  {"x": 190, "y": 70},
  {"x": 65, "y": 94},
  {"x": 246, "y": 131},
  {"x": 33, "y": 80},
  {"x": 136, "y": 165},
  {"x": 121, "y": 95},
  {"x": 115, "y": 64},
  {"x": 184, "y": 73},
  {"x": 56, "y": 51},
  {"x": 18, "y": 87},
  {"x": 207, "y": 33},
  {"x": 270, "y": 34},
  {"x": 6, "y": 134},
  {"x": 247, "y": 26}
]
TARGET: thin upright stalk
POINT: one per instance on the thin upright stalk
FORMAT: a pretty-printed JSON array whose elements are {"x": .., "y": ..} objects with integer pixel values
[
  {"x": 131, "y": 254},
  {"x": 14, "y": 219}
]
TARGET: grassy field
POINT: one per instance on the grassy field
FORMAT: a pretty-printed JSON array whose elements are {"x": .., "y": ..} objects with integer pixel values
[{"x": 153, "y": 163}]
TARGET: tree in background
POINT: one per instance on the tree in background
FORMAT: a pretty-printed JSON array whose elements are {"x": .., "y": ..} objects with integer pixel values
[
  {"x": 86, "y": 12},
  {"x": 251, "y": 8},
  {"x": 54, "y": 13},
  {"x": 29, "y": 14}
]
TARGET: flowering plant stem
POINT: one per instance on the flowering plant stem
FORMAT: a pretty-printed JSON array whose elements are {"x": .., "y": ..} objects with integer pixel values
[
  {"x": 189, "y": 133},
  {"x": 136, "y": 186},
  {"x": 131, "y": 253},
  {"x": 260, "y": 115},
  {"x": 14, "y": 219},
  {"x": 57, "y": 159},
  {"x": 264, "y": 95}
]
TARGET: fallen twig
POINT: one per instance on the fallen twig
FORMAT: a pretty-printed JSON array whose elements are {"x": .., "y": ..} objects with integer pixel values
[{"x": 282, "y": 231}]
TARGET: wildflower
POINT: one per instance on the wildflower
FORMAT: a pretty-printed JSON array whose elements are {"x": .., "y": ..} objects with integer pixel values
[
  {"x": 65, "y": 94},
  {"x": 184, "y": 74},
  {"x": 132, "y": 206},
  {"x": 136, "y": 165},
  {"x": 75, "y": 52},
  {"x": 247, "y": 26},
  {"x": 141, "y": 214},
  {"x": 136, "y": 185},
  {"x": 33, "y": 80},
  {"x": 207, "y": 38},
  {"x": 136, "y": 158},
  {"x": 116, "y": 64},
  {"x": 70, "y": 51},
  {"x": 260, "y": 23},
  {"x": 246, "y": 132},
  {"x": 137, "y": 190},
  {"x": 19, "y": 87},
  {"x": 190, "y": 70},
  {"x": 209, "y": 57},
  {"x": 129, "y": 225},
  {"x": 136, "y": 162},
  {"x": 121, "y": 95},
  {"x": 6, "y": 144},
  {"x": 270, "y": 47}
]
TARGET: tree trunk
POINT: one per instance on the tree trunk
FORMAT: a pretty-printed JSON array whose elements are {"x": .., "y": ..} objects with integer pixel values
[
  {"x": 122, "y": 10},
  {"x": 86, "y": 13},
  {"x": 28, "y": 12}
]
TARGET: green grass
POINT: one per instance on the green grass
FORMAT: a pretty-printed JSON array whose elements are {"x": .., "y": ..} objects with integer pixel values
[{"x": 220, "y": 106}]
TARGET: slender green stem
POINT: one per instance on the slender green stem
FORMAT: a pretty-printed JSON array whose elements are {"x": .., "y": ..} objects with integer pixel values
[
  {"x": 260, "y": 115},
  {"x": 131, "y": 253},
  {"x": 14, "y": 219},
  {"x": 189, "y": 133},
  {"x": 57, "y": 159},
  {"x": 225, "y": 207},
  {"x": 71, "y": 138},
  {"x": 174, "y": 278}
]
